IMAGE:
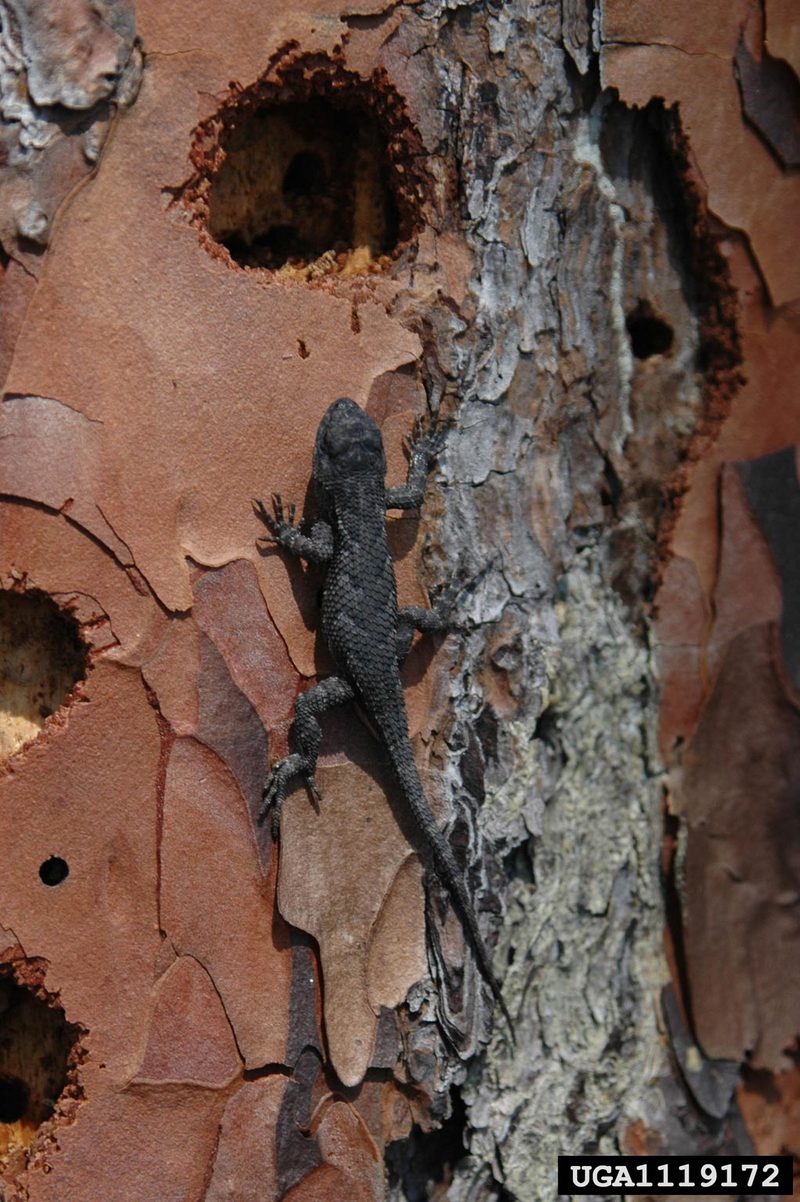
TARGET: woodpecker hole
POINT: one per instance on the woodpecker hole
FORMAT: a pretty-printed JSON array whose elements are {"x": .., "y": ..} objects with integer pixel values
[
  {"x": 39, "y": 1054},
  {"x": 310, "y": 171},
  {"x": 41, "y": 660},
  {"x": 649, "y": 334}
]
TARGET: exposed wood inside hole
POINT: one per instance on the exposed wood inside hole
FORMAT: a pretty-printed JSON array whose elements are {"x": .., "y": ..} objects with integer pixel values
[
  {"x": 35, "y": 1046},
  {"x": 41, "y": 659},
  {"x": 312, "y": 170},
  {"x": 300, "y": 180}
]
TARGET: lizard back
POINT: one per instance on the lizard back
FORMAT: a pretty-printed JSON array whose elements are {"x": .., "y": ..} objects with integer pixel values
[{"x": 359, "y": 598}]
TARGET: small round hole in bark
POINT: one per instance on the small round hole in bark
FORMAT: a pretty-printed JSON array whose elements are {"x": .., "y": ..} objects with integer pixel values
[
  {"x": 41, "y": 660},
  {"x": 53, "y": 871},
  {"x": 312, "y": 169},
  {"x": 649, "y": 334}
]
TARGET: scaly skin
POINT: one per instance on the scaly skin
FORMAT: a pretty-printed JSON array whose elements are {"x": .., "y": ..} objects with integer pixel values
[{"x": 366, "y": 633}]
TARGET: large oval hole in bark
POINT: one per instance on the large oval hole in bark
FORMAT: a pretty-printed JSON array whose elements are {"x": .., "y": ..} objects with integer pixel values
[
  {"x": 41, "y": 660},
  {"x": 37, "y": 1050},
  {"x": 312, "y": 169}
]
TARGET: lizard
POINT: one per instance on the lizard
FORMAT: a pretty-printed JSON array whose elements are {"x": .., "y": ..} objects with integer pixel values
[{"x": 367, "y": 634}]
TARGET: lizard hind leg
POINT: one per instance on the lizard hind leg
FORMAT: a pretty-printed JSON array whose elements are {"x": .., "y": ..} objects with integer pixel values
[
  {"x": 306, "y": 737},
  {"x": 416, "y": 617}
]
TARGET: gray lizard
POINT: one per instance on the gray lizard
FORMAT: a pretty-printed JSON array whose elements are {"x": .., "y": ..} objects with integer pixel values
[{"x": 368, "y": 636}]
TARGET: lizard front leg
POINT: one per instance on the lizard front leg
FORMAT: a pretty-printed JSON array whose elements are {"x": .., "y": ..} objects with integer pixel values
[
  {"x": 318, "y": 548},
  {"x": 306, "y": 737},
  {"x": 423, "y": 449}
]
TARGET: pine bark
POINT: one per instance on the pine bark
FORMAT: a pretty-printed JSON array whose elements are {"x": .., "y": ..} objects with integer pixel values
[{"x": 546, "y": 250}]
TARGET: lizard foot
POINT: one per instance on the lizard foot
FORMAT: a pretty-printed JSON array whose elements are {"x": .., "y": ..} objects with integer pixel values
[
  {"x": 446, "y": 605},
  {"x": 280, "y": 524},
  {"x": 427, "y": 441},
  {"x": 277, "y": 786}
]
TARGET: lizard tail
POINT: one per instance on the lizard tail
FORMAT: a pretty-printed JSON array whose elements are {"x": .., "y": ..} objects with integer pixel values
[{"x": 445, "y": 863}]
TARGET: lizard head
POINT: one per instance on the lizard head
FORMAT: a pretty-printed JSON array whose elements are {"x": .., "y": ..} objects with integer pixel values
[{"x": 348, "y": 444}]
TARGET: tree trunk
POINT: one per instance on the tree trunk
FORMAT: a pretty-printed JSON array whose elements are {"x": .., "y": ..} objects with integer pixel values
[{"x": 564, "y": 232}]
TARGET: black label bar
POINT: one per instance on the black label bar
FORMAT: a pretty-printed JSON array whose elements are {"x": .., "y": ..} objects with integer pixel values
[{"x": 711, "y": 1175}]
